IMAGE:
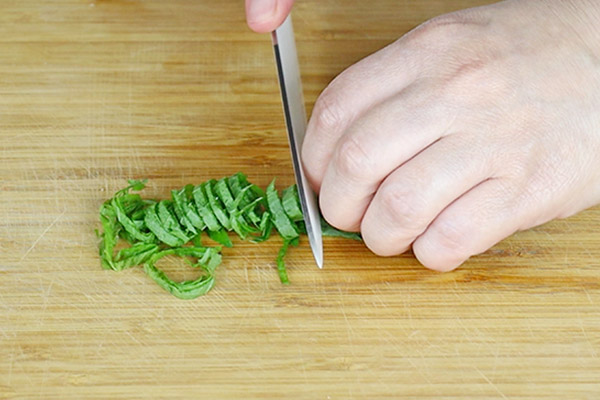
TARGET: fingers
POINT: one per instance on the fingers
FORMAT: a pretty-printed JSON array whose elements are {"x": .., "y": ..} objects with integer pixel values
[
  {"x": 376, "y": 144},
  {"x": 413, "y": 195},
  {"x": 266, "y": 15},
  {"x": 475, "y": 222},
  {"x": 351, "y": 94}
]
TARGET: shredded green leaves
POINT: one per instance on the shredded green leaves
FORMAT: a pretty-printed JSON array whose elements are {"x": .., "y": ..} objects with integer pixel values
[{"x": 137, "y": 231}]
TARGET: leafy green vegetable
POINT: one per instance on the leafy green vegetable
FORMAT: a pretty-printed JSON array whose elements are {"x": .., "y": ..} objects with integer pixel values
[
  {"x": 291, "y": 203},
  {"x": 206, "y": 258},
  {"x": 134, "y": 255},
  {"x": 155, "y": 229},
  {"x": 281, "y": 270},
  {"x": 282, "y": 222},
  {"x": 204, "y": 209},
  {"x": 127, "y": 224},
  {"x": 216, "y": 205},
  {"x": 330, "y": 231},
  {"x": 220, "y": 237},
  {"x": 185, "y": 212}
]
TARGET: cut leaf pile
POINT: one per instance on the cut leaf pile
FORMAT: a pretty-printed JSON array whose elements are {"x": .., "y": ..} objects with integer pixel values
[{"x": 145, "y": 230}]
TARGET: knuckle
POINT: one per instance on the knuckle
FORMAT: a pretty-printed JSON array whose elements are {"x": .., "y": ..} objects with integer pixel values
[
  {"x": 442, "y": 248},
  {"x": 452, "y": 240},
  {"x": 469, "y": 75},
  {"x": 440, "y": 29},
  {"x": 353, "y": 161},
  {"x": 328, "y": 113},
  {"x": 474, "y": 79},
  {"x": 405, "y": 209},
  {"x": 446, "y": 40}
]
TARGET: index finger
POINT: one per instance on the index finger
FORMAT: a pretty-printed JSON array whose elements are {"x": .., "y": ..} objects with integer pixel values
[{"x": 348, "y": 96}]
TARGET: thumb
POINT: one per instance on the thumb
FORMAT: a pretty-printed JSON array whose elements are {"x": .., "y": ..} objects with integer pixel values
[{"x": 267, "y": 15}]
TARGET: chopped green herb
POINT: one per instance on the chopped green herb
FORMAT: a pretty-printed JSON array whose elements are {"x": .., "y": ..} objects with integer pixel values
[
  {"x": 330, "y": 231},
  {"x": 154, "y": 229},
  {"x": 282, "y": 222},
  {"x": 291, "y": 203},
  {"x": 207, "y": 258}
]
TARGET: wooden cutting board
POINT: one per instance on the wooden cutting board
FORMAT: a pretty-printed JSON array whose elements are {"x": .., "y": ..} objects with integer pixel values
[{"x": 93, "y": 93}]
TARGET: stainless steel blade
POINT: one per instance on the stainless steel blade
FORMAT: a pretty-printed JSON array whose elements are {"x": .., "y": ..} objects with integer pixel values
[{"x": 290, "y": 84}]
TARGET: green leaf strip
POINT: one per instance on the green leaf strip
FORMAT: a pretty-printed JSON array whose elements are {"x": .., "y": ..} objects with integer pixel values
[
  {"x": 207, "y": 259},
  {"x": 282, "y": 222}
]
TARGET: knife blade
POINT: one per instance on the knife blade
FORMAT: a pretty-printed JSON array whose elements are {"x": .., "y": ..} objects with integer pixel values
[{"x": 290, "y": 84}]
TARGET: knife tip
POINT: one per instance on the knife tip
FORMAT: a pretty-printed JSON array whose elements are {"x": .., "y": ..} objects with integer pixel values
[
  {"x": 318, "y": 253},
  {"x": 320, "y": 263}
]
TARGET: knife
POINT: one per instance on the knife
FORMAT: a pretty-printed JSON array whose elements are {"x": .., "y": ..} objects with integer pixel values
[{"x": 290, "y": 84}]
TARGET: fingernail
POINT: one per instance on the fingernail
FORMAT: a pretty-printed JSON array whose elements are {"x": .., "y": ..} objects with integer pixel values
[{"x": 259, "y": 10}]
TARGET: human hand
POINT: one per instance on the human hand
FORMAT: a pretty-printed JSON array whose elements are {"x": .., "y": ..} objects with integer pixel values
[
  {"x": 473, "y": 126},
  {"x": 266, "y": 15}
]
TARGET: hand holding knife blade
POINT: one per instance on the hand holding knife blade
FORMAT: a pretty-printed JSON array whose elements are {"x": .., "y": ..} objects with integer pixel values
[{"x": 290, "y": 84}]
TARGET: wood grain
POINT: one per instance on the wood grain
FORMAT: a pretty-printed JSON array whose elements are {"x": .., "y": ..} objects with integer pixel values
[{"x": 94, "y": 93}]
